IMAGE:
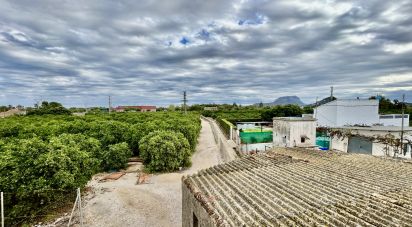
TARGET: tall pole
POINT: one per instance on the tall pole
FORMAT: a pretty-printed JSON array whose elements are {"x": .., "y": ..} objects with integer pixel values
[
  {"x": 2, "y": 210},
  {"x": 403, "y": 115},
  {"x": 184, "y": 102},
  {"x": 331, "y": 92},
  {"x": 110, "y": 104}
]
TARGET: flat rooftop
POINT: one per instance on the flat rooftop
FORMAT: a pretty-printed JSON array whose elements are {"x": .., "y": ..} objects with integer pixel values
[{"x": 299, "y": 187}]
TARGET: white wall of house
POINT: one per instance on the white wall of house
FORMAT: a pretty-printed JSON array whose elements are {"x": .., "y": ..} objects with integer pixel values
[
  {"x": 255, "y": 146},
  {"x": 339, "y": 144},
  {"x": 343, "y": 112},
  {"x": 378, "y": 149},
  {"x": 294, "y": 132},
  {"x": 326, "y": 114},
  {"x": 305, "y": 129},
  {"x": 245, "y": 125},
  {"x": 281, "y": 133},
  {"x": 394, "y": 120}
]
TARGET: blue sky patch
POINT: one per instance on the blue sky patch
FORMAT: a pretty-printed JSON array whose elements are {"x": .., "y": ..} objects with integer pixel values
[{"x": 184, "y": 41}]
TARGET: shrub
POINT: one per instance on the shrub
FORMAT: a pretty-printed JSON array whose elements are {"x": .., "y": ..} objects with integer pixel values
[
  {"x": 116, "y": 156},
  {"x": 225, "y": 126},
  {"x": 165, "y": 151}
]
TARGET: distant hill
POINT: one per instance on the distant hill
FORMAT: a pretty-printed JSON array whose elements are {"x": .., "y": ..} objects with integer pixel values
[{"x": 285, "y": 100}]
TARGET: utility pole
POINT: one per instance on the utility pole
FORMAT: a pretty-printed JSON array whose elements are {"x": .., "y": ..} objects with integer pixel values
[
  {"x": 110, "y": 104},
  {"x": 2, "y": 210},
  {"x": 403, "y": 115},
  {"x": 184, "y": 101},
  {"x": 315, "y": 110},
  {"x": 331, "y": 92}
]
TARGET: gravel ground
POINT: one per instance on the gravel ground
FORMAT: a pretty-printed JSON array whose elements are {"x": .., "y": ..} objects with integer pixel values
[{"x": 157, "y": 203}]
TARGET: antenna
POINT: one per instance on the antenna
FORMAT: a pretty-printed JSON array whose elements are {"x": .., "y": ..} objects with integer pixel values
[
  {"x": 331, "y": 91},
  {"x": 184, "y": 101}
]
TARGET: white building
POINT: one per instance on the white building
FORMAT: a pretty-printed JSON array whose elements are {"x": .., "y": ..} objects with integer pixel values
[
  {"x": 375, "y": 140},
  {"x": 350, "y": 112},
  {"x": 294, "y": 132},
  {"x": 393, "y": 120},
  {"x": 343, "y": 112}
]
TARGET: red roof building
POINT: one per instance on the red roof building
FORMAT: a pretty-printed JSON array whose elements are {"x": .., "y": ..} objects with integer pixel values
[{"x": 135, "y": 108}]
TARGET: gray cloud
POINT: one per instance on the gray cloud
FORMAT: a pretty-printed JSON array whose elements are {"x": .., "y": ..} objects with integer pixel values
[{"x": 241, "y": 51}]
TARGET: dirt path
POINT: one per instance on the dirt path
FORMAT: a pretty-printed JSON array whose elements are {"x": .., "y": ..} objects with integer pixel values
[{"x": 123, "y": 203}]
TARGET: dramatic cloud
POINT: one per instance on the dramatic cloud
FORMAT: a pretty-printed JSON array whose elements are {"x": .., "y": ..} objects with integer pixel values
[{"x": 244, "y": 51}]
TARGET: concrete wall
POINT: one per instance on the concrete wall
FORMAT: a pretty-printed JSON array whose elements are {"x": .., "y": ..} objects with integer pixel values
[
  {"x": 281, "y": 133},
  {"x": 378, "y": 149},
  {"x": 326, "y": 114},
  {"x": 245, "y": 125},
  {"x": 339, "y": 144},
  {"x": 361, "y": 112},
  {"x": 348, "y": 112},
  {"x": 394, "y": 120},
  {"x": 245, "y": 148},
  {"x": 191, "y": 206},
  {"x": 300, "y": 129},
  {"x": 288, "y": 133}
]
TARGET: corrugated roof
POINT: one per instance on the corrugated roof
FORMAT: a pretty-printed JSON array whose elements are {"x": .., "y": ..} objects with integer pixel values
[{"x": 312, "y": 188}]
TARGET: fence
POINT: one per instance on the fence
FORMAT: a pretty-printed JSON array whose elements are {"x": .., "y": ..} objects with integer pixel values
[
  {"x": 37, "y": 207},
  {"x": 256, "y": 137}
]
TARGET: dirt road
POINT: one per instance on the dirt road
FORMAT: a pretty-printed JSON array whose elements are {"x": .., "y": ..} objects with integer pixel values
[{"x": 158, "y": 203}]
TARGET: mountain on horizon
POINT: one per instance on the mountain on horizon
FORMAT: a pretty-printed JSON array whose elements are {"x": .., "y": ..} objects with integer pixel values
[{"x": 285, "y": 100}]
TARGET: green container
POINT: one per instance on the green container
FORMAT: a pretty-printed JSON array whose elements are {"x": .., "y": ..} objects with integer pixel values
[
  {"x": 323, "y": 142},
  {"x": 256, "y": 137}
]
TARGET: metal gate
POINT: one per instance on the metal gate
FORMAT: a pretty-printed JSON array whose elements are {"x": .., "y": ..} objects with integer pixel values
[{"x": 359, "y": 145}]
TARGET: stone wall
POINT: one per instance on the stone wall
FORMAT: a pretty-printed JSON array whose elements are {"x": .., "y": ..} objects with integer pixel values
[{"x": 191, "y": 207}]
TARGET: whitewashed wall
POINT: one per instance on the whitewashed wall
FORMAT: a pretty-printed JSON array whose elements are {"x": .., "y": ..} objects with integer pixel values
[
  {"x": 287, "y": 133},
  {"x": 281, "y": 133},
  {"x": 302, "y": 128},
  {"x": 348, "y": 112},
  {"x": 339, "y": 144},
  {"x": 326, "y": 115},
  {"x": 256, "y": 146},
  {"x": 378, "y": 149},
  {"x": 395, "y": 120}
]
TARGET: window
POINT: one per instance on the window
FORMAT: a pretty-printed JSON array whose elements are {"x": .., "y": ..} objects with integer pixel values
[
  {"x": 302, "y": 139},
  {"x": 195, "y": 221},
  {"x": 400, "y": 116}
]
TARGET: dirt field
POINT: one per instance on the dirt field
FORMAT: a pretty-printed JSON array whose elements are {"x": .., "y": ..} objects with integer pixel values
[{"x": 157, "y": 203}]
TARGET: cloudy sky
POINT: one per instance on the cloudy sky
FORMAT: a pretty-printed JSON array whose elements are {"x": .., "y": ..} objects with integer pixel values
[{"x": 149, "y": 52}]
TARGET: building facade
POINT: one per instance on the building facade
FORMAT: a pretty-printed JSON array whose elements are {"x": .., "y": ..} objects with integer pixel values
[
  {"x": 351, "y": 112},
  {"x": 394, "y": 120},
  {"x": 343, "y": 112},
  {"x": 294, "y": 132},
  {"x": 374, "y": 140}
]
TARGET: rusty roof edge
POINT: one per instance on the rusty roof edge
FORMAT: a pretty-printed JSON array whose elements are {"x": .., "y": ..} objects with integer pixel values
[{"x": 204, "y": 202}]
